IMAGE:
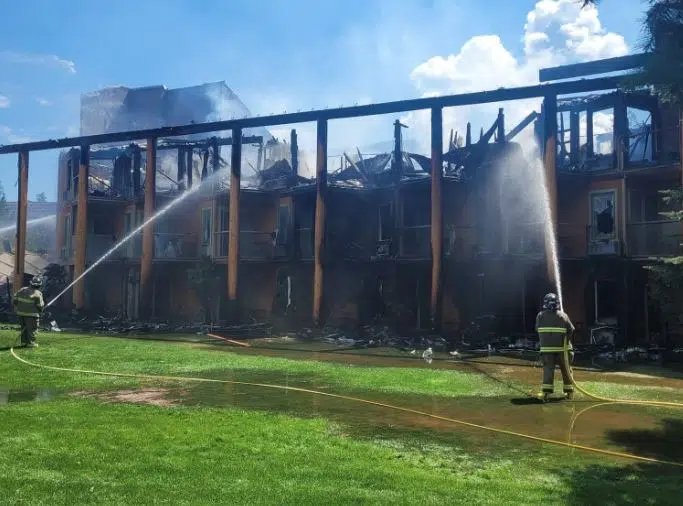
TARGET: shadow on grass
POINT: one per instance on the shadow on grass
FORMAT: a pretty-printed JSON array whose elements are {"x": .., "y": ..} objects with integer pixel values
[
  {"x": 636, "y": 483},
  {"x": 663, "y": 443},
  {"x": 626, "y": 484}
]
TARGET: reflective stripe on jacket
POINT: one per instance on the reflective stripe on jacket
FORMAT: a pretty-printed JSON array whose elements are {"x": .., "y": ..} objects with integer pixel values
[
  {"x": 553, "y": 328},
  {"x": 28, "y": 302}
]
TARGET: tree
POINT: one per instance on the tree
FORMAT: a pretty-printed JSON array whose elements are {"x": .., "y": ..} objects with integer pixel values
[
  {"x": 665, "y": 275},
  {"x": 41, "y": 197},
  {"x": 205, "y": 278}
]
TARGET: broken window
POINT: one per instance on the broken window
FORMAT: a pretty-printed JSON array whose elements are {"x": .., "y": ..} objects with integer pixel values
[{"x": 603, "y": 215}]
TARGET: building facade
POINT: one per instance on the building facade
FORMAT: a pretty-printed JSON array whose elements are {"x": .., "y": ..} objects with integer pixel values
[{"x": 376, "y": 247}]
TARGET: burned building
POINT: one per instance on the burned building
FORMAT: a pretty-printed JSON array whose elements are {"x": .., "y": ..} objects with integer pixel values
[{"x": 422, "y": 243}]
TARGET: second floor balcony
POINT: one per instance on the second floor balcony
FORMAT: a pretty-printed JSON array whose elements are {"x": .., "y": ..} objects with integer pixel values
[
  {"x": 654, "y": 239},
  {"x": 175, "y": 246}
]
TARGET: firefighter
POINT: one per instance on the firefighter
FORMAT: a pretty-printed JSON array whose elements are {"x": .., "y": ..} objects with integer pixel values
[
  {"x": 554, "y": 331},
  {"x": 28, "y": 304}
]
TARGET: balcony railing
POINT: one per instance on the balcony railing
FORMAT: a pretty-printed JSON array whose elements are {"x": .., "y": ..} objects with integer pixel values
[
  {"x": 99, "y": 244},
  {"x": 175, "y": 246},
  {"x": 415, "y": 242},
  {"x": 255, "y": 245},
  {"x": 654, "y": 238}
]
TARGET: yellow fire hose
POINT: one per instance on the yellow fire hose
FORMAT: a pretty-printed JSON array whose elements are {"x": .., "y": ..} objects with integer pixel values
[
  {"x": 359, "y": 400},
  {"x": 617, "y": 401}
]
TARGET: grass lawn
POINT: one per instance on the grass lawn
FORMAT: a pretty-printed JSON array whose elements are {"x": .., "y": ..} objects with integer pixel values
[{"x": 82, "y": 450}]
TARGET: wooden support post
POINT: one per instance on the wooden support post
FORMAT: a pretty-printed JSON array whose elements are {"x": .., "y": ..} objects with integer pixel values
[
  {"x": 500, "y": 128},
  {"x": 294, "y": 152},
  {"x": 621, "y": 139},
  {"x": 234, "y": 222},
  {"x": 22, "y": 212},
  {"x": 574, "y": 137},
  {"x": 435, "y": 306},
  {"x": 320, "y": 202},
  {"x": 78, "y": 292},
  {"x": 550, "y": 168},
  {"x": 146, "y": 264},
  {"x": 589, "y": 134}
]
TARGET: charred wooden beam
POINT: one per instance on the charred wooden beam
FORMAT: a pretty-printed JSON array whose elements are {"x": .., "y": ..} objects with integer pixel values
[
  {"x": 590, "y": 139},
  {"x": 521, "y": 126},
  {"x": 436, "y": 298},
  {"x": 621, "y": 133},
  {"x": 574, "y": 140},
  {"x": 500, "y": 125},
  {"x": 480, "y": 97},
  {"x": 22, "y": 213},
  {"x": 468, "y": 135},
  {"x": 605, "y": 66},
  {"x": 189, "y": 166},
  {"x": 205, "y": 164},
  {"x": 216, "y": 151},
  {"x": 319, "y": 237},
  {"x": 294, "y": 150},
  {"x": 78, "y": 291},
  {"x": 137, "y": 169},
  {"x": 146, "y": 263},
  {"x": 550, "y": 168},
  {"x": 182, "y": 160},
  {"x": 234, "y": 224}
]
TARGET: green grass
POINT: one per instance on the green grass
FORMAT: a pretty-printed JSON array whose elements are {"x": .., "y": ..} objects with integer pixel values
[{"x": 75, "y": 450}]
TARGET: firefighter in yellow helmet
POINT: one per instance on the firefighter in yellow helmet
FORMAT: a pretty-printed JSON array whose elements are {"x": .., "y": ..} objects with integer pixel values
[
  {"x": 554, "y": 331},
  {"x": 28, "y": 304}
]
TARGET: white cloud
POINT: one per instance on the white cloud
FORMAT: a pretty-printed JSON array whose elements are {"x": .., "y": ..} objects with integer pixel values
[
  {"x": 11, "y": 137},
  {"x": 4, "y": 102},
  {"x": 50, "y": 60},
  {"x": 556, "y": 32},
  {"x": 43, "y": 102}
]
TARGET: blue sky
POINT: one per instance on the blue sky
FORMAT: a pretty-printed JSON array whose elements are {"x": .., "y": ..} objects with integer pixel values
[{"x": 280, "y": 55}]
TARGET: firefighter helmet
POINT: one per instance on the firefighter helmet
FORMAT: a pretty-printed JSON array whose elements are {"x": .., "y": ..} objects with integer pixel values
[{"x": 550, "y": 302}]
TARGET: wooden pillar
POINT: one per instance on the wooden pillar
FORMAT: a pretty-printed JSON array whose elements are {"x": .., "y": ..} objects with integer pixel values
[
  {"x": 621, "y": 139},
  {"x": 146, "y": 264},
  {"x": 435, "y": 305},
  {"x": 234, "y": 222},
  {"x": 500, "y": 126},
  {"x": 550, "y": 169},
  {"x": 574, "y": 137},
  {"x": 590, "y": 149},
  {"x": 320, "y": 202},
  {"x": 22, "y": 212},
  {"x": 80, "y": 248}
]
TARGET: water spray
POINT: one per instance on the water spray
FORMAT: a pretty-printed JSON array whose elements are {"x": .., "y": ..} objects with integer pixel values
[
  {"x": 132, "y": 234},
  {"x": 35, "y": 221},
  {"x": 550, "y": 231}
]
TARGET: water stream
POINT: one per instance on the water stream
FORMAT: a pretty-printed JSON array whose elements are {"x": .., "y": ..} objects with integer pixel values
[
  {"x": 132, "y": 234},
  {"x": 35, "y": 221},
  {"x": 550, "y": 231}
]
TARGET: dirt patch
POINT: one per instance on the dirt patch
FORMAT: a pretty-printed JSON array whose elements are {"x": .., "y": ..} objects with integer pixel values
[{"x": 153, "y": 396}]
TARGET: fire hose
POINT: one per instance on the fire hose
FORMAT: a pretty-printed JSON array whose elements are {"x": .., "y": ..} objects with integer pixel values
[{"x": 367, "y": 402}]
